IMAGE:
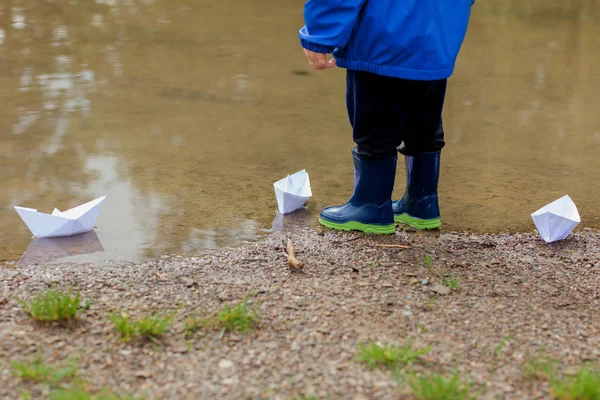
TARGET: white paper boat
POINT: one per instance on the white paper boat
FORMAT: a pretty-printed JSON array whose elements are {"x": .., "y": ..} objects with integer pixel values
[
  {"x": 71, "y": 222},
  {"x": 556, "y": 220},
  {"x": 292, "y": 192}
]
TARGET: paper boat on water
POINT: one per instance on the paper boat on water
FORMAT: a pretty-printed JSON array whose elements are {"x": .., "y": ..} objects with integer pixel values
[
  {"x": 292, "y": 192},
  {"x": 556, "y": 220},
  {"x": 71, "y": 222}
]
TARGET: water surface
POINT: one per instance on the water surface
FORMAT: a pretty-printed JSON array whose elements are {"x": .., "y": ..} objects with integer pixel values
[{"x": 185, "y": 112}]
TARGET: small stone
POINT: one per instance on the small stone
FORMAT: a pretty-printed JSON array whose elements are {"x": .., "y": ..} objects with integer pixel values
[
  {"x": 190, "y": 282},
  {"x": 225, "y": 364},
  {"x": 180, "y": 349},
  {"x": 425, "y": 281},
  {"x": 125, "y": 352},
  {"x": 223, "y": 296},
  {"x": 440, "y": 289},
  {"x": 142, "y": 374}
]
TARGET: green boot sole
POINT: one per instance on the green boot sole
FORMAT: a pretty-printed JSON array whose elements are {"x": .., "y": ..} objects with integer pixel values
[
  {"x": 417, "y": 222},
  {"x": 357, "y": 226}
]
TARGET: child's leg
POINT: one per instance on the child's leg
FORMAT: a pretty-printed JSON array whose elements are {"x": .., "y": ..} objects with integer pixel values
[
  {"x": 374, "y": 115},
  {"x": 423, "y": 139},
  {"x": 376, "y": 132},
  {"x": 424, "y": 131}
]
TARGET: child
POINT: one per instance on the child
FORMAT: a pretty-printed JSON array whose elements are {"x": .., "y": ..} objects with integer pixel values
[{"x": 398, "y": 55}]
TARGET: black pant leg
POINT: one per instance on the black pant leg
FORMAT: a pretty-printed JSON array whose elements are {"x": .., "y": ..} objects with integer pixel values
[
  {"x": 424, "y": 131},
  {"x": 385, "y": 111},
  {"x": 371, "y": 108}
]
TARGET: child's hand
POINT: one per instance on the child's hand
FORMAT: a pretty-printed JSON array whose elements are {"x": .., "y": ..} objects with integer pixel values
[{"x": 319, "y": 60}]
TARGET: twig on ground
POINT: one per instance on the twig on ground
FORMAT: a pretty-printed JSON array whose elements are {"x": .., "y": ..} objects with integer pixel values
[
  {"x": 395, "y": 246},
  {"x": 161, "y": 276},
  {"x": 291, "y": 254}
]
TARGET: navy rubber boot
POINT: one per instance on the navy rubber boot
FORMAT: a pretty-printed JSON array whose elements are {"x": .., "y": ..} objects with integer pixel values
[
  {"x": 370, "y": 207},
  {"x": 419, "y": 207}
]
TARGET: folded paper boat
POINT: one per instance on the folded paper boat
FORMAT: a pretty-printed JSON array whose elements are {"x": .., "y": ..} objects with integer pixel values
[
  {"x": 292, "y": 192},
  {"x": 556, "y": 220},
  {"x": 71, "y": 222}
]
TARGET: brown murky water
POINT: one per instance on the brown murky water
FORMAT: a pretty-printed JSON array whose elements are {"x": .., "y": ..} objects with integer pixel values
[{"x": 184, "y": 112}]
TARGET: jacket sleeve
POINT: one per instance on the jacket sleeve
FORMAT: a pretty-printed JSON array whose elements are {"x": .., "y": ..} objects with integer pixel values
[{"x": 329, "y": 23}]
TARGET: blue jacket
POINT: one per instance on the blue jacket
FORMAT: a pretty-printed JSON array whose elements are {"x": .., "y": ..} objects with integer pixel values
[{"x": 410, "y": 39}]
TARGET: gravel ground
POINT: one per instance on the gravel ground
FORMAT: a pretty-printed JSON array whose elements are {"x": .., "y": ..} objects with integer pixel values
[{"x": 514, "y": 289}]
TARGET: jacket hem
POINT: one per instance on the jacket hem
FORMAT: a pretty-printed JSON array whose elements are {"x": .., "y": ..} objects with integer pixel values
[{"x": 395, "y": 72}]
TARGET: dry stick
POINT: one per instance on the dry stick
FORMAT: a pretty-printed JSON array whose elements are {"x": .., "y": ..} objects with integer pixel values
[
  {"x": 396, "y": 246},
  {"x": 291, "y": 254},
  {"x": 161, "y": 276}
]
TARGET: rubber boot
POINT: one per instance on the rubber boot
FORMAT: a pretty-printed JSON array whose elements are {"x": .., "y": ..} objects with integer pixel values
[
  {"x": 419, "y": 207},
  {"x": 370, "y": 207}
]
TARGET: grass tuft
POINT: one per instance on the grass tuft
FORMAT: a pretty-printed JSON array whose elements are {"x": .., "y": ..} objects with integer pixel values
[
  {"x": 500, "y": 346},
  {"x": 79, "y": 393},
  {"x": 238, "y": 318},
  {"x": 193, "y": 324},
  {"x": 124, "y": 325},
  {"x": 53, "y": 306},
  {"x": 36, "y": 370},
  {"x": 153, "y": 325},
  {"x": 584, "y": 385},
  {"x": 390, "y": 356},
  {"x": 540, "y": 368},
  {"x": 452, "y": 282},
  {"x": 428, "y": 262},
  {"x": 150, "y": 326},
  {"x": 439, "y": 387}
]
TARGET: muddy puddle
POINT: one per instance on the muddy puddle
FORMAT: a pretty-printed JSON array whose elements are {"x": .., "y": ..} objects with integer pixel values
[{"x": 183, "y": 113}]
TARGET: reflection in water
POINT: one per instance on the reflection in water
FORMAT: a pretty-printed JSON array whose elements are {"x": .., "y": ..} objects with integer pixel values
[
  {"x": 170, "y": 110},
  {"x": 291, "y": 222},
  {"x": 18, "y": 21},
  {"x": 48, "y": 250}
]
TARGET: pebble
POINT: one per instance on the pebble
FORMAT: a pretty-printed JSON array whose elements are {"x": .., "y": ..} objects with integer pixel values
[
  {"x": 440, "y": 289},
  {"x": 143, "y": 374},
  {"x": 189, "y": 283},
  {"x": 225, "y": 364},
  {"x": 180, "y": 349}
]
